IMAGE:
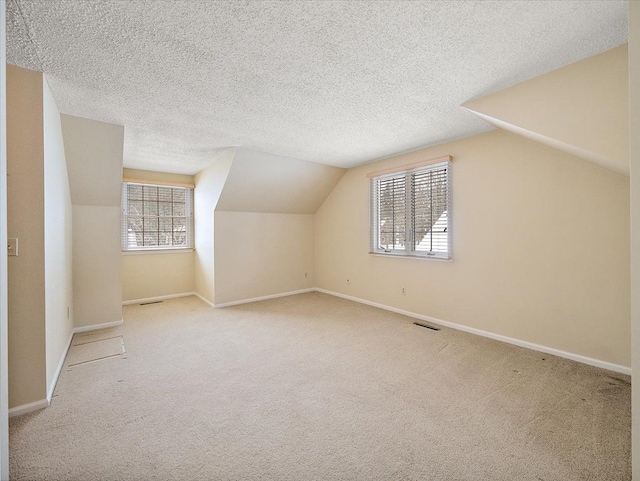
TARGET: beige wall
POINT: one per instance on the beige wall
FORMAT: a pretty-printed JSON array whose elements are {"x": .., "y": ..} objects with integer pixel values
[
  {"x": 260, "y": 254},
  {"x": 581, "y": 108},
  {"x": 209, "y": 184},
  {"x": 540, "y": 247},
  {"x": 634, "y": 157},
  {"x": 94, "y": 158},
  {"x": 97, "y": 289},
  {"x": 146, "y": 275},
  {"x": 157, "y": 274},
  {"x": 25, "y": 220},
  {"x": 57, "y": 241},
  {"x": 263, "y": 225}
]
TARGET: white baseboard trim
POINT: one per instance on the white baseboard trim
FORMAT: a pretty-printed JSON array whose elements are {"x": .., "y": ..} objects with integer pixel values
[
  {"x": 56, "y": 375},
  {"x": 264, "y": 298},
  {"x": 95, "y": 327},
  {"x": 157, "y": 298},
  {"x": 203, "y": 299},
  {"x": 27, "y": 408},
  {"x": 498, "y": 337}
]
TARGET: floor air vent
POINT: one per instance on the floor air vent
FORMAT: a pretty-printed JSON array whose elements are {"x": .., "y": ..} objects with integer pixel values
[
  {"x": 152, "y": 302},
  {"x": 428, "y": 327}
]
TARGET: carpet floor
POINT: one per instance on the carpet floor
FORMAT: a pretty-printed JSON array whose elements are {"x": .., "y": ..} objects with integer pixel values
[{"x": 313, "y": 387}]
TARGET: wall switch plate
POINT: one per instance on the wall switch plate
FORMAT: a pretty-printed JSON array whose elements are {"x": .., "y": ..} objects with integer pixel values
[{"x": 12, "y": 246}]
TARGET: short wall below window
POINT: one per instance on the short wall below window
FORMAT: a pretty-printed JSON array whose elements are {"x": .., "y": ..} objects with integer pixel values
[{"x": 159, "y": 274}]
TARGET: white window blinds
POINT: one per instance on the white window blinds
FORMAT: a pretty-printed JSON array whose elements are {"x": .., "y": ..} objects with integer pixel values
[
  {"x": 392, "y": 212},
  {"x": 156, "y": 217},
  {"x": 410, "y": 212}
]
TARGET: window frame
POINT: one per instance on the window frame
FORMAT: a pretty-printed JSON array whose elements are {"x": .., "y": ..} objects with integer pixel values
[
  {"x": 189, "y": 216},
  {"x": 374, "y": 225}
]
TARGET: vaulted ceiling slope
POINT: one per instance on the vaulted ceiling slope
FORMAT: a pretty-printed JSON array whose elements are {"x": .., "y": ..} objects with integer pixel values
[
  {"x": 582, "y": 109},
  {"x": 93, "y": 152},
  {"x": 262, "y": 182},
  {"x": 340, "y": 83}
]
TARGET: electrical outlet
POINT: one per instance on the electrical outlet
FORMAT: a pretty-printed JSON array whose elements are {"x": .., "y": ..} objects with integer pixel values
[
  {"x": 348, "y": 281},
  {"x": 12, "y": 246},
  {"x": 404, "y": 291},
  {"x": 306, "y": 275}
]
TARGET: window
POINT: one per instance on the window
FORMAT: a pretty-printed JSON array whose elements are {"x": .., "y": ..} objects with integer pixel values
[
  {"x": 156, "y": 217},
  {"x": 410, "y": 211}
]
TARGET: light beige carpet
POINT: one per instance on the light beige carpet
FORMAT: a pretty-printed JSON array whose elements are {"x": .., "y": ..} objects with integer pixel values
[{"x": 313, "y": 387}]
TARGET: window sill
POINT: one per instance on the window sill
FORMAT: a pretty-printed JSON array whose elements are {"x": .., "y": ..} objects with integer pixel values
[
  {"x": 404, "y": 256},
  {"x": 183, "y": 250}
]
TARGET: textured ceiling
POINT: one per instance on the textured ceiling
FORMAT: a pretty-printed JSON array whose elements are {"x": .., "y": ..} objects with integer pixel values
[{"x": 341, "y": 83}]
